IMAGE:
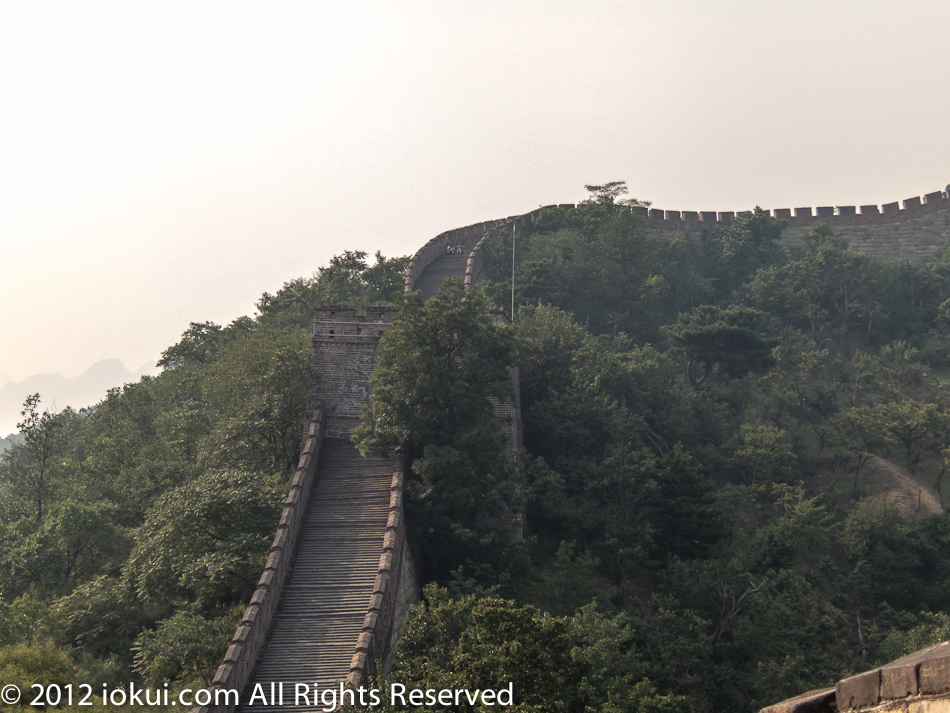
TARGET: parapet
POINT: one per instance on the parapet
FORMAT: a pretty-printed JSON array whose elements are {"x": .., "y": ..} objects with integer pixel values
[
  {"x": 918, "y": 683},
  {"x": 659, "y": 218}
]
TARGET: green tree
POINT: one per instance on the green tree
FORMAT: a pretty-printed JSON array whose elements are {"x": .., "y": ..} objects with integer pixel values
[
  {"x": 32, "y": 471},
  {"x": 911, "y": 424},
  {"x": 186, "y": 647},
  {"x": 735, "y": 251},
  {"x": 580, "y": 664},
  {"x": 861, "y": 431},
  {"x": 732, "y": 339},
  {"x": 205, "y": 541},
  {"x": 825, "y": 289},
  {"x": 439, "y": 366}
]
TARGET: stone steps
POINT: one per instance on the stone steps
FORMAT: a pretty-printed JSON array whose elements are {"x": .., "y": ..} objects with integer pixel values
[{"x": 327, "y": 594}]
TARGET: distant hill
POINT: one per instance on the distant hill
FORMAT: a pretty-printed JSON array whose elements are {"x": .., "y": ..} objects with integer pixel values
[
  {"x": 58, "y": 392},
  {"x": 13, "y": 438}
]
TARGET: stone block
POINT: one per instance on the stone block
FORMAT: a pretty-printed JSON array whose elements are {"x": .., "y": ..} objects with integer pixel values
[
  {"x": 935, "y": 675},
  {"x": 233, "y": 653},
  {"x": 251, "y": 615},
  {"x": 727, "y": 215},
  {"x": 870, "y": 210},
  {"x": 287, "y": 516},
  {"x": 267, "y": 579},
  {"x": 846, "y": 210},
  {"x": 859, "y": 691},
  {"x": 359, "y": 661},
  {"x": 222, "y": 675},
  {"x": 803, "y": 213},
  {"x": 365, "y": 641},
  {"x": 707, "y": 216},
  {"x": 898, "y": 681},
  {"x": 911, "y": 203},
  {"x": 825, "y": 211},
  {"x": 782, "y": 213},
  {"x": 240, "y": 636},
  {"x": 281, "y": 540}
]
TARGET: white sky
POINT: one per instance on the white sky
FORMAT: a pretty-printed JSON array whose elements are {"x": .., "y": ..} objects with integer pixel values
[{"x": 167, "y": 163}]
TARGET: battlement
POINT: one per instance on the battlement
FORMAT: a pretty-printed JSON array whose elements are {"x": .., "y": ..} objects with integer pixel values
[{"x": 688, "y": 220}]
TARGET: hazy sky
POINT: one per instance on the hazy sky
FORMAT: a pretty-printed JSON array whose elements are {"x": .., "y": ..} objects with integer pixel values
[{"x": 167, "y": 163}]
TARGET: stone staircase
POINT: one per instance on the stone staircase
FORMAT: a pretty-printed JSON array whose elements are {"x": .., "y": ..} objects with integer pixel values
[
  {"x": 439, "y": 269},
  {"x": 325, "y": 600}
]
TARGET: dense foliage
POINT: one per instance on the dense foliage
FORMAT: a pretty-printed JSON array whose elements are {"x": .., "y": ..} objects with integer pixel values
[
  {"x": 730, "y": 482},
  {"x": 734, "y": 452},
  {"x": 135, "y": 531}
]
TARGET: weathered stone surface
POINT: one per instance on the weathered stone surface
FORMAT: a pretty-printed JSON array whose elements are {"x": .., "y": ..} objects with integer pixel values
[
  {"x": 819, "y": 701},
  {"x": 935, "y": 674},
  {"x": 859, "y": 691},
  {"x": 898, "y": 681}
]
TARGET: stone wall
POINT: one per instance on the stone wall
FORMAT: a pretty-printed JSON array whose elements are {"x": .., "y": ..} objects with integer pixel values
[
  {"x": 915, "y": 232},
  {"x": 343, "y": 358},
  {"x": 395, "y": 583},
  {"x": 468, "y": 236},
  {"x": 248, "y": 640},
  {"x": 913, "y": 229},
  {"x": 919, "y": 683}
]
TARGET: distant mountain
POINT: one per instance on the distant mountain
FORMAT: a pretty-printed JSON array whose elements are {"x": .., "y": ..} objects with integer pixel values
[
  {"x": 58, "y": 392},
  {"x": 9, "y": 441}
]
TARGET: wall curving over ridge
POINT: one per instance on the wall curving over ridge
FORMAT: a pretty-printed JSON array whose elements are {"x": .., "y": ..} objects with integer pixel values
[{"x": 916, "y": 231}]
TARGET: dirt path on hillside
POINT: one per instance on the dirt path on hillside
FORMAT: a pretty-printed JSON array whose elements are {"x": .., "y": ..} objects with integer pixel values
[{"x": 912, "y": 497}]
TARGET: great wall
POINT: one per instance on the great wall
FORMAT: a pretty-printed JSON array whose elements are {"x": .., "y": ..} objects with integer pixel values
[{"x": 341, "y": 574}]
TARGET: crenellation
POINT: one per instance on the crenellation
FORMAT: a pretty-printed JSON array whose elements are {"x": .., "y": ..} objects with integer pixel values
[
  {"x": 707, "y": 216},
  {"x": 825, "y": 211},
  {"x": 782, "y": 213}
]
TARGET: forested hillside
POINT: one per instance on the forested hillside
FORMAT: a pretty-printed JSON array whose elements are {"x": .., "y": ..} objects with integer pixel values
[
  {"x": 715, "y": 433},
  {"x": 134, "y": 532},
  {"x": 711, "y": 524}
]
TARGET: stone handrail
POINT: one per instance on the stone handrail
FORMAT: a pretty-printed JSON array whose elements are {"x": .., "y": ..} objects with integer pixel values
[{"x": 375, "y": 645}]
